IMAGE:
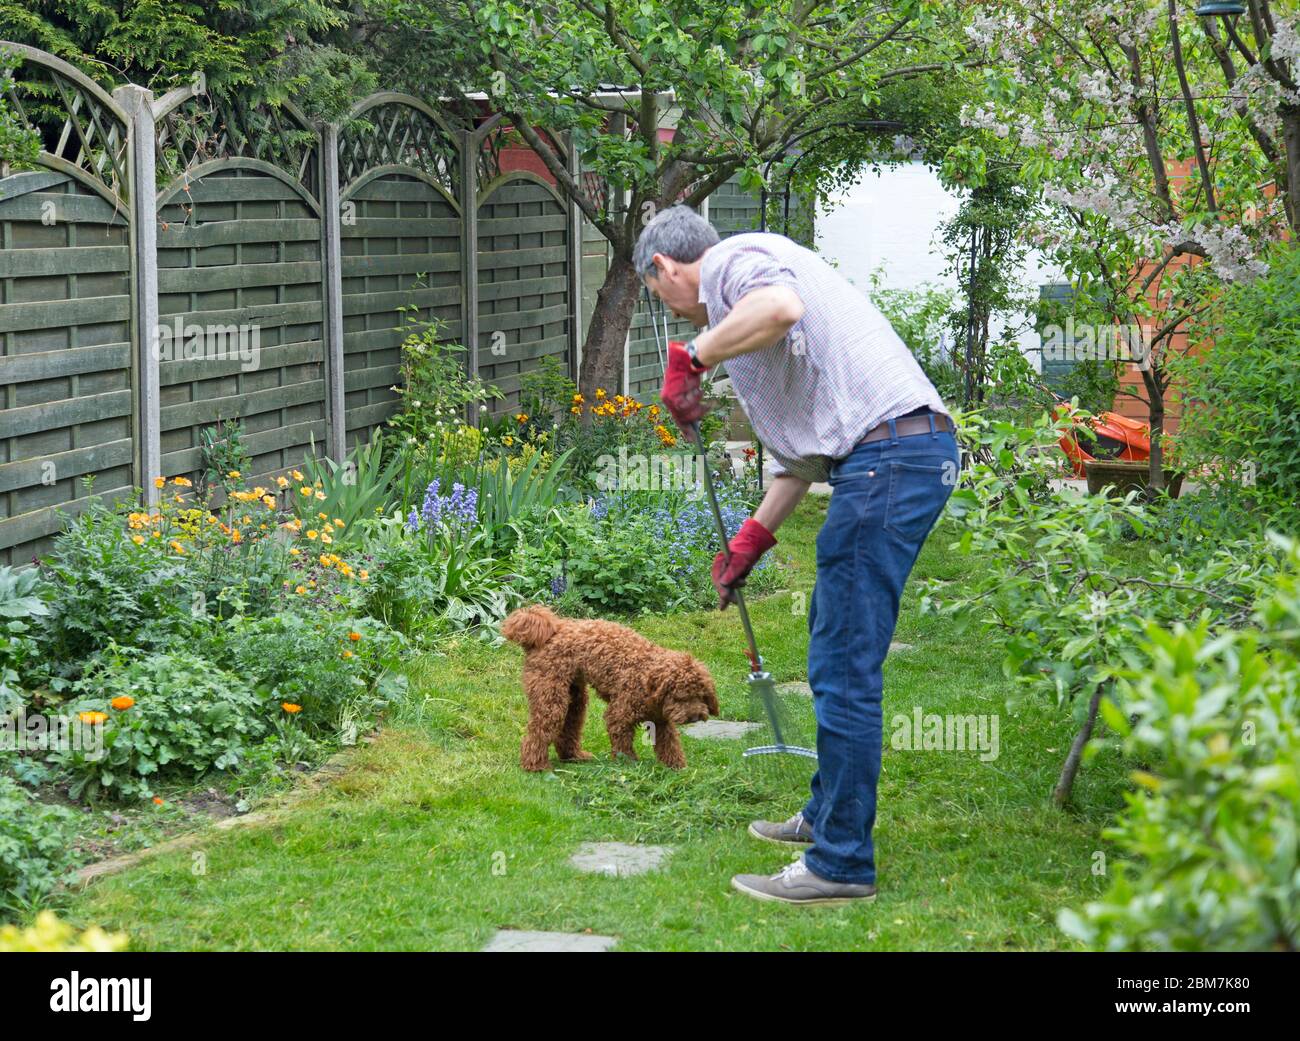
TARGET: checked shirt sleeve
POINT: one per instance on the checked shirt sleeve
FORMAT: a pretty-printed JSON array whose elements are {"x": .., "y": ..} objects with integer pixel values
[
  {"x": 814, "y": 470},
  {"x": 750, "y": 268}
]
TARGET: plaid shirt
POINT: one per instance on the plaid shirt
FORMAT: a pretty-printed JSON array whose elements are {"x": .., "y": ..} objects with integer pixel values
[{"x": 839, "y": 372}]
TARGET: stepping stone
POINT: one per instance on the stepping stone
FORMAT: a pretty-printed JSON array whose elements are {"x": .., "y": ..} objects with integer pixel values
[
  {"x": 795, "y": 687},
  {"x": 618, "y": 859},
  {"x": 510, "y": 941},
  {"x": 896, "y": 646},
  {"x": 720, "y": 729}
]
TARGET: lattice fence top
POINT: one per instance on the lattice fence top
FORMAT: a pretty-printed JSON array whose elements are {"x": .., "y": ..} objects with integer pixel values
[
  {"x": 395, "y": 130},
  {"x": 502, "y": 137},
  {"x": 204, "y": 129},
  {"x": 78, "y": 123}
]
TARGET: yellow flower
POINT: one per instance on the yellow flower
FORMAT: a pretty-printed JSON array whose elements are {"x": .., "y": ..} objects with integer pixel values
[
  {"x": 182, "y": 482},
  {"x": 312, "y": 533},
  {"x": 295, "y": 551},
  {"x": 158, "y": 482},
  {"x": 323, "y": 516},
  {"x": 576, "y": 410},
  {"x": 304, "y": 490},
  {"x": 282, "y": 481},
  {"x": 92, "y": 718},
  {"x": 138, "y": 539},
  {"x": 338, "y": 522},
  {"x": 176, "y": 547},
  {"x": 268, "y": 501},
  {"x": 578, "y": 399},
  {"x": 324, "y": 559},
  {"x": 521, "y": 417},
  {"x": 236, "y": 537},
  {"x": 326, "y": 539},
  {"x": 320, "y": 495},
  {"x": 296, "y": 475},
  {"x": 347, "y": 654},
  {"x": 300, "y": 590},
  {"x": 363, "y": 574},
  {"x": 234, "y": 475}
]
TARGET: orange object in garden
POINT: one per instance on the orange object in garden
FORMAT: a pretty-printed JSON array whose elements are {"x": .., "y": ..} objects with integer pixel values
[{"x": 1117, "y": 437}]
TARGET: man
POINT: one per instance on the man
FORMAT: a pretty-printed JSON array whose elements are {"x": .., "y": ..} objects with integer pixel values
[{"x": 834, "y": 395}]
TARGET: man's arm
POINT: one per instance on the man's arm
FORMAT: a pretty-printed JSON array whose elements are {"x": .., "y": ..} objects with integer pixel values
[
  {"x": 759, "y": 319},
  {"x": 782, "y": 496}
]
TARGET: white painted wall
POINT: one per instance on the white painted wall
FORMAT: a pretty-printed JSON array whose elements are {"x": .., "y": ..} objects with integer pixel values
[{"x": 891, "y": 221}]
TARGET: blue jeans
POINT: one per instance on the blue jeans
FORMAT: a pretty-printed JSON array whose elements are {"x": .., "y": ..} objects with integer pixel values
[{"x": 886, "y": 496}]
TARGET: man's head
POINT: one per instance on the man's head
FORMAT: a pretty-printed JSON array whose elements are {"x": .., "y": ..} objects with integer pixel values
[{"x": 668, "y": 255}]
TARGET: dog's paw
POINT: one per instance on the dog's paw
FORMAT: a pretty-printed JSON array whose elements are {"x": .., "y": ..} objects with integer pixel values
[{"x": 579, "y": 756}]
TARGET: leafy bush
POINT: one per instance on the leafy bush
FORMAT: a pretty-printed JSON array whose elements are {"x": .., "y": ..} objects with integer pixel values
[
  {"x": 20, "y": 604},
  {"x": 154, "y": 578},
  {"x": 434, "y": 579},
  {"x": 1214, "y": 829},
  {"x": 34, "y": 846},
  {"x": 339, "y": 671},
  {"x": 1067, "y": 606},
  {"x": 169, "y": 714},
  {"x": 1243, "y": 392},
  {"x": 362, "y": 486}
]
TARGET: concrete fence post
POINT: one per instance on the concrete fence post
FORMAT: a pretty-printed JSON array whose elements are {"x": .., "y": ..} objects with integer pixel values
[
  {"x": 332, "y": 290},
  {"x": 146, "y": 425}
]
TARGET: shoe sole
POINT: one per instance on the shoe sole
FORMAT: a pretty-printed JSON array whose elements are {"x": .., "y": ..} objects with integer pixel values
[
  {"x": 799, "y": 843},
  {"x": 758, "y": 894}
]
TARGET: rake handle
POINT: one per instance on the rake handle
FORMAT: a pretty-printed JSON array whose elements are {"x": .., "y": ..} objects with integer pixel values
[{"x": 755, "y": 660}]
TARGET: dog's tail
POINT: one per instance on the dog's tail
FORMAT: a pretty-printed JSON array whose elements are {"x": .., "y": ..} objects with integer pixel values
[{"x": 530, "y": 627}]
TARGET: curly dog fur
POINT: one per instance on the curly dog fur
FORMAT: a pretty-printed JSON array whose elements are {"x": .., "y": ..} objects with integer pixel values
[{"x": 639, "y": 680}]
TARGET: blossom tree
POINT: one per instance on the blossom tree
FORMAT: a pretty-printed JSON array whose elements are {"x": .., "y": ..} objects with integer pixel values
[{"x": 1168, "y": 164}]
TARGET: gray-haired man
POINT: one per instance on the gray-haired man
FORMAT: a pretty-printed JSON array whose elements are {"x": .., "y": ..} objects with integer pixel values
[{"x": 834, "y": 395}]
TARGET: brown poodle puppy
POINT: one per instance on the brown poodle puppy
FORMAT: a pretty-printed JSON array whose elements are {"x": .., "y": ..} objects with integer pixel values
[{"x": 639, "y": 680}]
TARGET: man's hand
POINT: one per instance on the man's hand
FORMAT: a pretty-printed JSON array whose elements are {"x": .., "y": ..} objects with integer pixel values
[
  {"x": 681, "y": 394},
  {"x": 750, "y": 543}
]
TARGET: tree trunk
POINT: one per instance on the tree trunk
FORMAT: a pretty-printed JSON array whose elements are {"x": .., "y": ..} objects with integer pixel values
[
  {"x": 1156, "y": 403},
  {"x": 602, "y": 353},
  {"x": 1291, "y": 135},
  {"x": 1065, "y": 783}
]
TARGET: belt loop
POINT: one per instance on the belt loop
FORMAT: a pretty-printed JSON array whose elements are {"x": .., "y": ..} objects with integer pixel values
[
  {"x": 893, "y": 434},
  {"x": 934, "y": 434}
]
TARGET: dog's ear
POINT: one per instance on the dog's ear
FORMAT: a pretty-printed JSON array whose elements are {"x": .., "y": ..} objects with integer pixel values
[{"x": 530, "y": 627}]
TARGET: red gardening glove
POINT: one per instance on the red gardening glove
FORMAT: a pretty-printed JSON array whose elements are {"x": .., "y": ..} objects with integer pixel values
[
  {"x": 681, "y": 393},
  {"x": 750, "y": 543}
]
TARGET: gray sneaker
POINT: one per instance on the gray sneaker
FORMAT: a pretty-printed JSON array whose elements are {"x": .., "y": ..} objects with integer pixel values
[
  {"x": 796, "y": 884},
  {"x": 794, "y": 832}
]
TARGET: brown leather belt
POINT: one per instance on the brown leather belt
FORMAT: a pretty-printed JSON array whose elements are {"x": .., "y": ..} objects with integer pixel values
[{"x": 912, "y": 423}]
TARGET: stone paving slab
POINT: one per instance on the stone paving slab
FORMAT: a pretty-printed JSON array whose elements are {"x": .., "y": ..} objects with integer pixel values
[
  {"x": 720, "y": 729},
  {"x": 511, "y": 941},
  {"x": 618, "y": 859}
]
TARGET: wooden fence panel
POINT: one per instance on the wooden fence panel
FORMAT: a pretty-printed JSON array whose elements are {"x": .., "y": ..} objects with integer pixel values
[
  {"x": 65, "y": 355},
  {"x": 523, "y": 284},
  {"x": 240, "y": 290},
  {"x": 401, "y": 248}
]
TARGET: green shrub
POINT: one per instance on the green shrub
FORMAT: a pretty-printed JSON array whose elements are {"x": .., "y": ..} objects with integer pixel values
[
  {"x": 21, "y": 603},
  {"x": 1213, "y": 832},
  {"x": 1242, "y": 393},
  {"x": 340, "y": 671},
  {"x": 35, "y": 846},
  {"x": 186, "y": 716}
]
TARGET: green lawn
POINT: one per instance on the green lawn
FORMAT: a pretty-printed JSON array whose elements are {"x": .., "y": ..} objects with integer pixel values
[{"x": 436, "y": 838}]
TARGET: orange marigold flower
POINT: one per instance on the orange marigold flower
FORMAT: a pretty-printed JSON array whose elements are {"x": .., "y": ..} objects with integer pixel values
[
  {"x": 290, "y": 707},
  {"x": 176, "y": 547},
  {"x": 92, "y": 718},
  {"x": 158, "y": 802},
  {"x": 122, "y": 702},
  {"x": 354, "y": 636},
  {"x": 138, "y": 539},
  {"x": 300, "y": 590},
  {"x": 182, "y": 482},
  {"x": 158, "y": 482},
  {"x": 338, "y": 522}
]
